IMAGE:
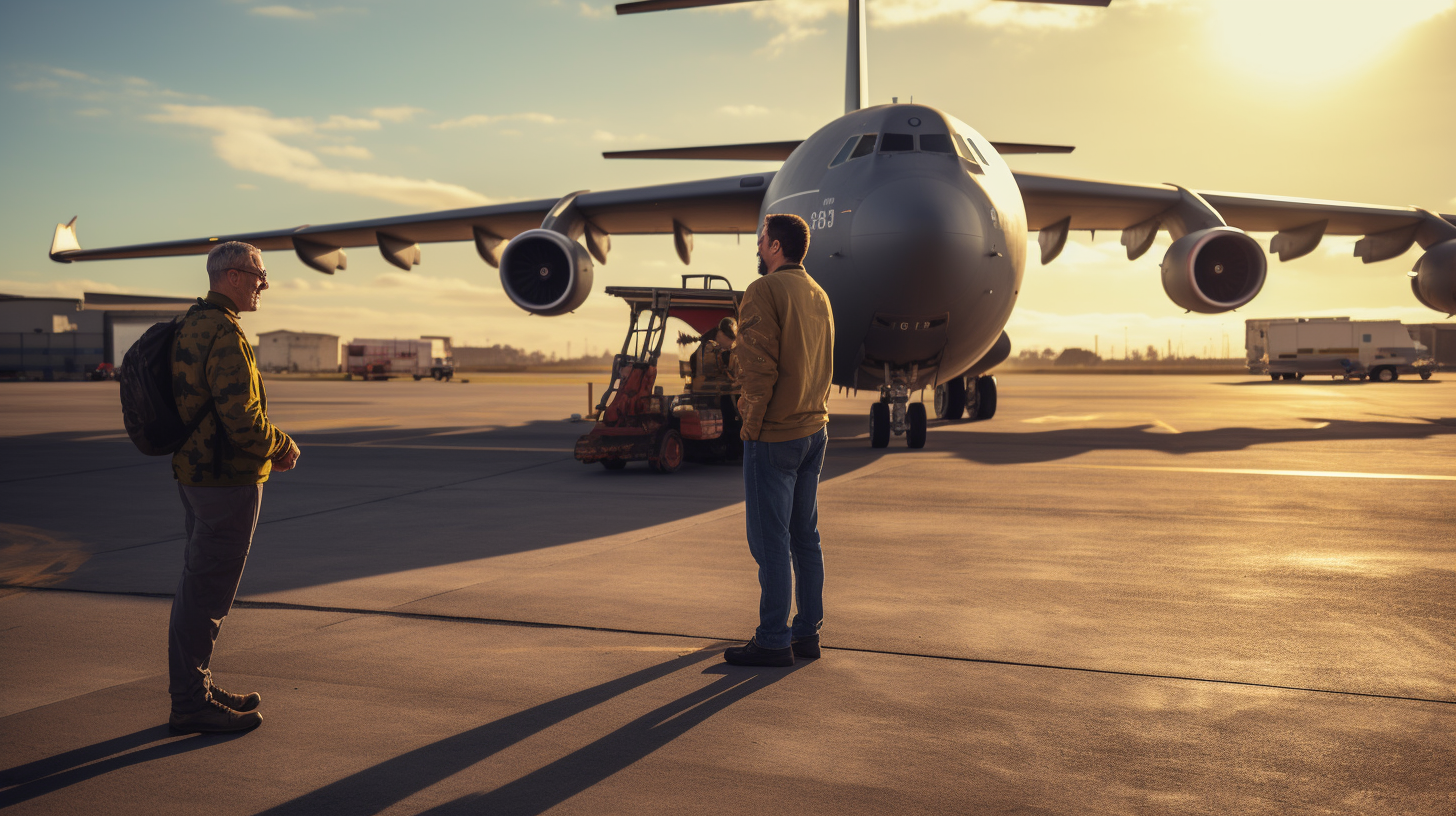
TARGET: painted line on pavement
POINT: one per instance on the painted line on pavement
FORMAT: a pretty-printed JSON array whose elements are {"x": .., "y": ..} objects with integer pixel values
[{"x": 1327, "y": 474}]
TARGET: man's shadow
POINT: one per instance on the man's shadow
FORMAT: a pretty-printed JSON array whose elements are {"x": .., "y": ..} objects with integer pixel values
[
  {"x": 377, "y": 788},
  {"x": 26, "y": 782}
]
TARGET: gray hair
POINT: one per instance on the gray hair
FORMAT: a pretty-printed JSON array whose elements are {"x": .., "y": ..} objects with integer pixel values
[{"x": 232, "y": 255}]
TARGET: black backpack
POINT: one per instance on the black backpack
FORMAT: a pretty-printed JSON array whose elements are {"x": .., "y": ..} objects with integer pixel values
[{"x": 147, "y": 406}]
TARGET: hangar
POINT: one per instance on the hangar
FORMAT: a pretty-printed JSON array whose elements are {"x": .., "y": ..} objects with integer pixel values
[{"x": 53, "y": 338}]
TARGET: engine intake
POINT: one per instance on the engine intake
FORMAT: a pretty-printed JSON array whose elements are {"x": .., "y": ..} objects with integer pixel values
[
  {"x": 545, "y": 272},
  {"x": 1434, "y": 280},
  {"x": 1214, "y": 270}
]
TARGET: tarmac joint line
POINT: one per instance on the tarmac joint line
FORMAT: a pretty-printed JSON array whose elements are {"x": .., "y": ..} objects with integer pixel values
[{"x": 297, "y": 607}]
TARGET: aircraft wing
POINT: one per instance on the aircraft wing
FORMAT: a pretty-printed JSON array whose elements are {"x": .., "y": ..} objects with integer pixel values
[
  {"x": 721, "y": 205},
  {"x": 1055, "y": 204}
]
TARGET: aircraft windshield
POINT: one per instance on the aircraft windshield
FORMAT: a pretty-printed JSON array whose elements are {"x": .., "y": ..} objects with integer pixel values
[
  {"x": 896, "y": 142},
  {"x": 935, "y": 143},
  {"x": 843, "y": 154},
  {"x": 865, "y": 147}
]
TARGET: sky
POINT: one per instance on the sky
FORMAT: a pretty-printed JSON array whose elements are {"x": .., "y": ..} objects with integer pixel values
[{"x": 165, "y": 120}]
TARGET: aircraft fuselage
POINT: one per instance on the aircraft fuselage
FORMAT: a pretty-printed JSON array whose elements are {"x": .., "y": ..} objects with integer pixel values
[{"x": 920, "y": 250}]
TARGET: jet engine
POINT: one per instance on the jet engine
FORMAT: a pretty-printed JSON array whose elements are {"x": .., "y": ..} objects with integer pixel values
[
  {"x": 545, "y": 272},
  {"x": 1434, "y": 280},
  {"x": 1214, "y": 270}
]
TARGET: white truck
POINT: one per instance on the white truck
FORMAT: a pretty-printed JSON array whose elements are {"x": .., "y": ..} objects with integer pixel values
[
  {"x": 1290, "y": 348},
  {"x": 382, "y": 359}
]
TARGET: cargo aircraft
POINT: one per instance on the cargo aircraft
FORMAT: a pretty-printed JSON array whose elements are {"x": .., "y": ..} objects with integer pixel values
[{"x": 919, "y": 237}]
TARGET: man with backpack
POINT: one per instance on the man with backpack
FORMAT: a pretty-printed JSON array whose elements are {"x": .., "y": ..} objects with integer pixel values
[{"x": 220, "y": 469}]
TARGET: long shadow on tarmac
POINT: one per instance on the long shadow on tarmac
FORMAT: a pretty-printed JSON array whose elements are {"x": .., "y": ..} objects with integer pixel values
[
  {"x": 377, "y": 788},
  {"x": 444, "y": 495},
  {"x": 1000, "y": 448},
  {"x": 63, "y": 770}
]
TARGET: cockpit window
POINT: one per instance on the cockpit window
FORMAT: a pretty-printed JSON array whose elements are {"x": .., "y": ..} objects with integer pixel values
[
  {"x": 843, "y": 154},
  {"x": 970, "y": 148},
  {"x": 935, "y": 143},
  {"x": 895, "y": 142},
  {"x": 865, "y": 147}
]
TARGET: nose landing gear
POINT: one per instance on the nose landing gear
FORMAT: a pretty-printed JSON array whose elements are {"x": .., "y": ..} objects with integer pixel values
[{"x": 895, "y": 414}]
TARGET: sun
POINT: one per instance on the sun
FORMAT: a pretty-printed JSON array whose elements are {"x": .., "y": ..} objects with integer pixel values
[{"x": 1307, "y": 41}]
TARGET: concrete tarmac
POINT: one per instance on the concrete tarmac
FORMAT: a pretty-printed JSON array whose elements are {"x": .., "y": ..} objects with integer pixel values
[{"x": 1124, "y": 594}]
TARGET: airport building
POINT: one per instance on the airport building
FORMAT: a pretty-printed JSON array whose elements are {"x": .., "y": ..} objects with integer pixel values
[
  {"x": 1440, "y": 338},
  {"x": 46, "y": 338},
  {"x": 284, "y": 350}
]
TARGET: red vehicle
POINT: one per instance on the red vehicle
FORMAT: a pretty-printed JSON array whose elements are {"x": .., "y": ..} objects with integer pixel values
[{"x": 636, "y": 421}]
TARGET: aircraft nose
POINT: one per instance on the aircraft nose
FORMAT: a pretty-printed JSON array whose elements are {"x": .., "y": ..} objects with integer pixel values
[{"x": 917, "y": 206}]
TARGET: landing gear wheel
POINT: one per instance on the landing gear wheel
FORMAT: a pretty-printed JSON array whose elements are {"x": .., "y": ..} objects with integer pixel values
[
  {"x": 915, "y": 424},
  {"x": 950, "y": 399},
  {"x": 614, "y": 464},
  {"x": 985, "y": 397},
  {"x": 880, "y": 425},
  {"x": 669, "y": 453},
  {"x": 1385, "y": 374}
]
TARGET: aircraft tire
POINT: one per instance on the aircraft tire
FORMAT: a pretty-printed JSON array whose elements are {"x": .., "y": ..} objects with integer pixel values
[
  {"x": 915, "y": 421},
  {"x": 950, "y": 399},
  {"x": 985, "y": 397},
  {"x": 880, "y": 425}
]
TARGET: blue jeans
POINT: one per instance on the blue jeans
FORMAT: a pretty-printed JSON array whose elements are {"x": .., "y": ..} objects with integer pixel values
[{"x": 781, "y": 485}]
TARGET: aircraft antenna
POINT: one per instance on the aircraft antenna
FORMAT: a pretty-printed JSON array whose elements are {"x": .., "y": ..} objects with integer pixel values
[{"x": 856, "y": 61}]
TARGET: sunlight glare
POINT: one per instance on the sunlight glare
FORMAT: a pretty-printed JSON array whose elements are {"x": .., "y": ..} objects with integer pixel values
[{"x": 1310, "y": 40}]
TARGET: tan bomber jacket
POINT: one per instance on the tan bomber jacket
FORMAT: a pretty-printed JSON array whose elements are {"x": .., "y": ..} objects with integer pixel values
[{"x": 784, "y": 358}]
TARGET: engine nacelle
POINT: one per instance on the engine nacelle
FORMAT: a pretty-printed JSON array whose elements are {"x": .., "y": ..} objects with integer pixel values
[
  {"x": 1434, "y": 281},
  {"x": 545, "y": 272},
  {"x": 1214, "y": 270}
]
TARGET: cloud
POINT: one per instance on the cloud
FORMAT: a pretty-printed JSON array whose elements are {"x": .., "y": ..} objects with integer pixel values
[
  {"x": 347, "y": 151},
  {"x": 247, "y": 186},
  {"x": 114, "y": 91},
  {"x": 603, "y": 136},
  {"x": 481, "y": 119},
  {"x": 284, "y": 12},
  {"x": 249, "y": 139},
  {"x": 404, "y": 113},
  {"x": 743, "y": 110},
  {"x": 92, "y": 112},
  {"x": 597, "y": 12}
]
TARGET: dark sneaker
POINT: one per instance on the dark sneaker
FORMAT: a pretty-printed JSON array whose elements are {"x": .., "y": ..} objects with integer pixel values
[
  {"x": 751, "y": 654},
  {"x": 237, "y": 702},
  {"x": 806, "y": 647},
  {"x": 213, "y": 717}
]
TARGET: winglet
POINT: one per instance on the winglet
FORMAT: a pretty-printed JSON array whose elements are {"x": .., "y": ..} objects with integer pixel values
[{"x": 64, "y": 240}]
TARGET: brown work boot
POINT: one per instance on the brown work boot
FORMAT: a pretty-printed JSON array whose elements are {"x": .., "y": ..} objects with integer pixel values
[
  {"x": 213, "y": 717},
  {"x": 237, "y": 702}
]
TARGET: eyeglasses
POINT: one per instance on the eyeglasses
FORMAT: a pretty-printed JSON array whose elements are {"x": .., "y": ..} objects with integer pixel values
[{"x": 261, "y": 276}]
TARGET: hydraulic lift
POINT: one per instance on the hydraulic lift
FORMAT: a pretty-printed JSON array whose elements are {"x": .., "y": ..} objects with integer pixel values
[{"x": 636, "y": 421}]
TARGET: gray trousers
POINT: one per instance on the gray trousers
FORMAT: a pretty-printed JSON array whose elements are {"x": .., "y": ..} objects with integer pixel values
[{"x": 220, "y": 525}]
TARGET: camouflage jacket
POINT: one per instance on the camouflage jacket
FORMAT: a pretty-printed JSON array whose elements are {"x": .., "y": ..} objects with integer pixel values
[
  {"x": 784, "y": 356},
  {"x": 212, "y": 358}
]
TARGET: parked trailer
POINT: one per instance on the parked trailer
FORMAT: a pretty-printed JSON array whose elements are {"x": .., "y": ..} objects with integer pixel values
[
  {"x": 382, "y": 359},
  {"x": 1290, "y": 348}
]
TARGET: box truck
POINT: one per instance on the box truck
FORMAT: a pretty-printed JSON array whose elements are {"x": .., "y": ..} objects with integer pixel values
[
  {"x": 1290, "y": 348},
  {"x": 382, "y": 359}
]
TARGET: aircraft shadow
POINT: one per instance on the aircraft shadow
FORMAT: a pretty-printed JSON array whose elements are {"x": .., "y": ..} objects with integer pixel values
[
  {"x": 377, "y": 788},
  {"x": 1011, "y": 448}
]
